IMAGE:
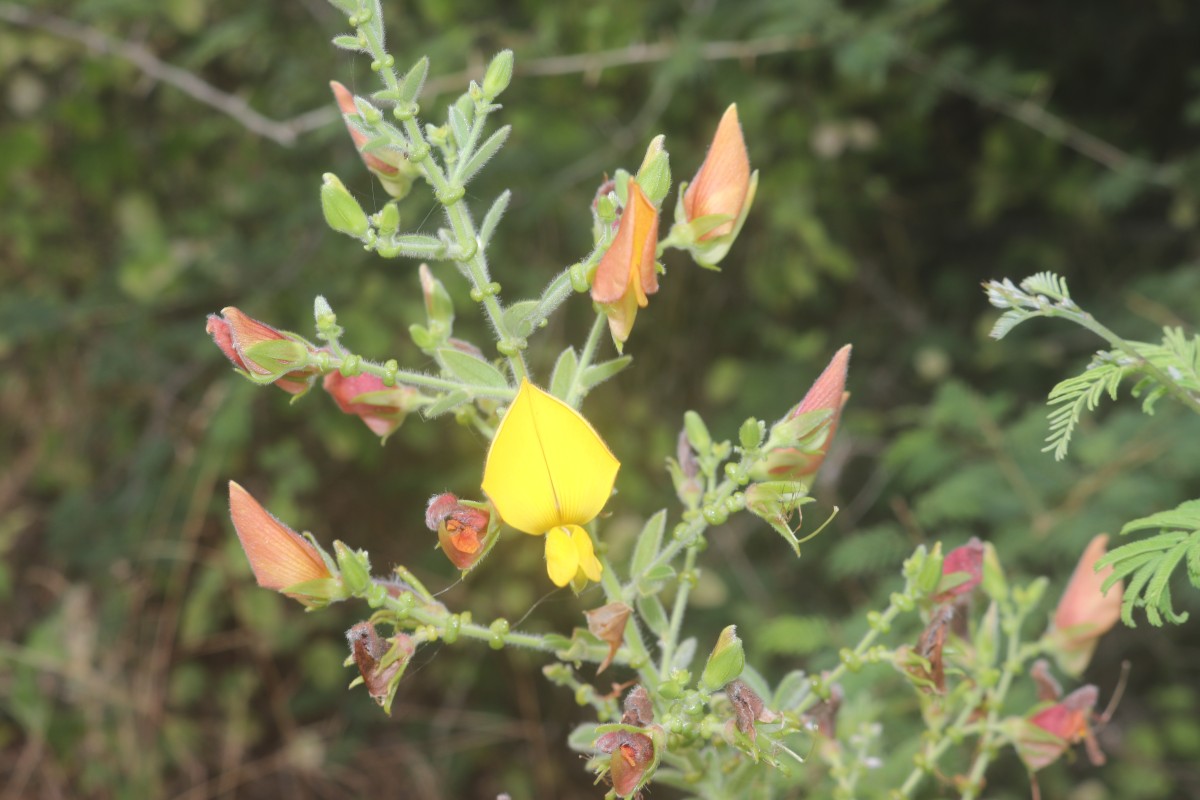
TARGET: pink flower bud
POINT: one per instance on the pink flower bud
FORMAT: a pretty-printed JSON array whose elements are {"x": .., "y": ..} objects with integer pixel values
[
  {"x": 1052, "y": 731},
  {"x": 723, "y": 180},
  {"x": 345, "y": 102},
  {"x": 265, "y": 354},
  {"x": 381, "y": 407},
  {"x": 962, "y": 571},
  {"x": 279, "y": 557},
  {"x": 828, "y": 392},
  {"x": 1085, "y": 612},
  {"x": 460, "y": 528}
]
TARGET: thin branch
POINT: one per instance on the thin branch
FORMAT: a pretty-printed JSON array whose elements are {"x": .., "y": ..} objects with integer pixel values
[
  {"x": 96, "y": 41},
  {"x": 286, "y": 132},
  {"x": 1044, "y": 122}
]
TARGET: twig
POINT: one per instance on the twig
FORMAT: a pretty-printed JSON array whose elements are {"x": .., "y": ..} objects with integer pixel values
[
  {"x": 1044, "y": 122},
  {"x": 284, "y": 133}
]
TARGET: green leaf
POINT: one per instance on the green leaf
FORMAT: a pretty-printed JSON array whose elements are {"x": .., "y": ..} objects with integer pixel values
[
  {"x": 470, "y": 369},
  {"x": 564, "y": 373},
  {"x": 653, "y": 580},
  {"x": 652, "y": 612},
  {"x": 649, "y": 543},
  {"x": 492, "y": 218},
  {"x": 483, "y": 154},
  {"x": 598, "y": 373},
  {"x": 459, "y": 126},
  {"x": 446, "y": 403},
  {"x": 521, "y": 317},
  {"x": 346, "y": 42}
]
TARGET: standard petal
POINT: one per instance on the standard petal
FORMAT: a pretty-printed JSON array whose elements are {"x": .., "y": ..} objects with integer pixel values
[
  {"x": 279, "y": 556},
  {"x": 562, "y": 557},
  {"x": 547, "y": 466}
]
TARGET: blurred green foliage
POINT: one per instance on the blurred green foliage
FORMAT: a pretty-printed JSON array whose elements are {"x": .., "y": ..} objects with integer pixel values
[{"x": 909, "y": 149}]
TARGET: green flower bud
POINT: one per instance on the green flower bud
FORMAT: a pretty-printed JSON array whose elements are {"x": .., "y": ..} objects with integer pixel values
[
  {"x": 751, "y": 434},
  {"x": 726, "y": 661},
  {"x": 388, "y": 219},
  {"x": 697, "y": 432},
  {"x": 342, "y": 211},
  {"x": 355, "y": 568},
  {"x": 498, "y": 75},
  {"x": 654, "y": 176}
]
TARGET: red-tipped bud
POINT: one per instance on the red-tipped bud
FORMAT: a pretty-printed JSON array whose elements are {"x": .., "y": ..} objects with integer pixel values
[
  {"x": 796, "y": 448},
  {"x": 1085, "y": 612},
  {"x": 264, "y": 354},
  {"x": 394, "y": 171},
  {"x": 280, "y": 558},
  {"x": 626, "y": 274},
  {"x": 380, "y": 406},
  {"x": 962, "y": 571},
  {"x": 461, "y": 529},
  {"x": 1049, "y": 733}
]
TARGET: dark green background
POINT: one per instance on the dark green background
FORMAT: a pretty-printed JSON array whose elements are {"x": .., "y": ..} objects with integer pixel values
[{"x": 908, "y": 151}]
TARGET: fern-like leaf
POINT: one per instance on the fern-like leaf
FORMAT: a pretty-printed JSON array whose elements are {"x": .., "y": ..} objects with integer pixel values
[
  {"x": 1070, "y": 398},
  {"x": 1149, "y": 563}
]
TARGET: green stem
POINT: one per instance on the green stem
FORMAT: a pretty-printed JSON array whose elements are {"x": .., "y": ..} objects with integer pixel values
[
  {"x": 409, "y": 378},
  {"x": 1013, "y": 663},
  {"x": 686, "y": 581},
  {"x": 1086, "y": 320},
  {"x": 932, "y": 756},
  {"x": 451, "y": 195},
  {"x": 576, "y": 391},
  {"x": 860, "y": 649}
]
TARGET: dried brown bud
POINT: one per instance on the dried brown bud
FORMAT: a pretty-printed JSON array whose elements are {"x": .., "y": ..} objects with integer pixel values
[
  {"x": 638, "y": 708},
  {"x": 369, "y": 649},
  {"x": 748, "y": 707},
  {"x": 607, "y": 623}
]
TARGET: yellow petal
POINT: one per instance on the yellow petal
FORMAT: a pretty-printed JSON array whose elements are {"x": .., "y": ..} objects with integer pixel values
[
  {"x": 589, "y": 565},
  {"x": 562, "y": 556},
  {"x": 547, "y": 467}
]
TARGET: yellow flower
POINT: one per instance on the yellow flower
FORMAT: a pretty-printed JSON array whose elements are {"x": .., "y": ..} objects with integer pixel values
[
  {"x": 549, "y": 473},
  {"x": 625, "y": 274}
]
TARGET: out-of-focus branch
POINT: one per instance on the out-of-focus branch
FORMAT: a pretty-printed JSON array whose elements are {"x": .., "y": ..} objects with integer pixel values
[
  {"x": 284, "y": 133},
  {"x": 1044, "y": 122}
]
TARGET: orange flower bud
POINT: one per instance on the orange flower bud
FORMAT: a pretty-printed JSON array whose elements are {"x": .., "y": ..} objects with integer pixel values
[
  {"x": 626, "y": 274},
  {"x": 632, "y": 756},
  {"x": 1085, "y": 613},
  {"x": 381, "y": 407},
  {"x": 279, "y": 557},
  {"x": 722, "y": 183},
  {"x": 264, "y": 354},
  {"x": 461, "y": 529}
]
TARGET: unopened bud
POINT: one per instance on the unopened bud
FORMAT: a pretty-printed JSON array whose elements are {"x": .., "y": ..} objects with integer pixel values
[
  {"x": 726, "y": 661},
  {"x": 342, "y": 211},
  {"x": 498, "y": 75}
]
